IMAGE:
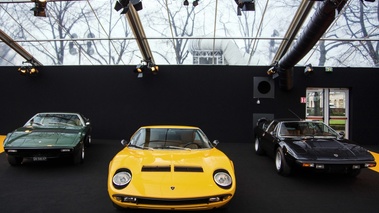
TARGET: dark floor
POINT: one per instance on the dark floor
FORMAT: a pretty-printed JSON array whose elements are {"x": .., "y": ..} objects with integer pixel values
[{"x": 60, "y": 187}]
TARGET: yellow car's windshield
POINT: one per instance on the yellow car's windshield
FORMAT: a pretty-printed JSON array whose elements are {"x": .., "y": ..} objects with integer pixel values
[{"x": 170, "y": 138}]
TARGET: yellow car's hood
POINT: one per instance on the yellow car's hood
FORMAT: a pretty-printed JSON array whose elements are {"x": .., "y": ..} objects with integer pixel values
[{"x": 171, "y": 173}]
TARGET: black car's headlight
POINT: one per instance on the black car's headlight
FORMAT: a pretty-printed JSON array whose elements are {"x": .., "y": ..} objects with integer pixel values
[
  {"x": 222, "y": 179},
  {"x": 121, "y": 178}
]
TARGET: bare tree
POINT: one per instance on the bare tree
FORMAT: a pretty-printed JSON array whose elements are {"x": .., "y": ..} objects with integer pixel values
[
  {"x": 361, "y": 22},
  {"x": 180, "y": 21}
]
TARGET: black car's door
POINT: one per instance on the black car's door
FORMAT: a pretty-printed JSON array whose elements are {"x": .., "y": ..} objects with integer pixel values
[{"x": 268, "y": 138}]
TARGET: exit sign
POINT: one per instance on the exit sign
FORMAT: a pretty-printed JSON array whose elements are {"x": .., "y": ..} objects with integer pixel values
[{"x": 303, "y": 100}]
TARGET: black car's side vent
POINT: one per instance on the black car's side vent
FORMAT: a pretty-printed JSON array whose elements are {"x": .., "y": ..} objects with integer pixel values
[
  {"x": 156, "y": 168},
  {"x": 188, "y": 169}
]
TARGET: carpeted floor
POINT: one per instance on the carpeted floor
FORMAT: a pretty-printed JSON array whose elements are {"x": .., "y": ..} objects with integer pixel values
[{"x": 58, "y": 187}]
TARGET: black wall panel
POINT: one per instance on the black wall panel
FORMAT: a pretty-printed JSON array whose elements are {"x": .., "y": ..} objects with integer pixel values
[{"x": 219, "y": 99}]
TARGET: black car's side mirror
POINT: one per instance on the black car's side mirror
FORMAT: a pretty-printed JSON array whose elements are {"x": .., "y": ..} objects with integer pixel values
[{"x": 341, "y": 135}]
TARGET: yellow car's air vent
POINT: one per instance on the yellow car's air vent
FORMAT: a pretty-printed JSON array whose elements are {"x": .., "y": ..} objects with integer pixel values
[
  {"x": 156, "y": 169},
  {"x": 188, "y": 169}
]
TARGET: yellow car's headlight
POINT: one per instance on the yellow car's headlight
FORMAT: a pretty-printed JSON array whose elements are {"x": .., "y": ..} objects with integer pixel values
[
  {"x": 222, "y": 179},
  {"x": 121, "y": 178}
]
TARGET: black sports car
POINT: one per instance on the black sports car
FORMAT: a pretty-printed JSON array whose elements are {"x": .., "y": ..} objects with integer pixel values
[{"x": 309, "y": 144}]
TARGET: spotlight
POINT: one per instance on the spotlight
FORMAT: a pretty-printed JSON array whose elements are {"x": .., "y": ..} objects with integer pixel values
[
  {"x": 195, "y": 3},
  {"x": 139, "y": 70},
  {"x": 239, "y": 11},
  {"x": 39, "y": 8},
  {"x": 23, "y": 70},
  {"x": 137, "y": 4},
  {"x": 146, "y": 65},
  {"x": 124, "y": 5},
  {"x": 33, "y": 71},
  {"x": 249, "y": 6},
  {"x": 245, "y": 5},
  {"x": 273, "y": 72},
  {"x": 28, "y": 70},
  {"x": 185, "y": 3},
  {"x": 308, "y": 70},
  {"x": 153, "y": 67}
]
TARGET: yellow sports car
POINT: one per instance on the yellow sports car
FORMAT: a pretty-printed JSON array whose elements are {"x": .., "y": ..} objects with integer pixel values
[{"x": 170, "y": 168}]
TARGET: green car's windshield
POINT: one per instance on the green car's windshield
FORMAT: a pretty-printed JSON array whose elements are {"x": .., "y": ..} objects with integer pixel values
[
  {"x": 51, "y": 120},
  {"x": 167, "y": 138}
]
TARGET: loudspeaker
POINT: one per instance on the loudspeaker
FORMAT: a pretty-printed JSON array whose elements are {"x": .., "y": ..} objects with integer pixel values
[{"x": 263, "y": 87}]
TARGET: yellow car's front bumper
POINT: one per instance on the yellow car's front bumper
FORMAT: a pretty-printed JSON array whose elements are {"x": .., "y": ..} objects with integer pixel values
[{"x": 203, "y": 203}]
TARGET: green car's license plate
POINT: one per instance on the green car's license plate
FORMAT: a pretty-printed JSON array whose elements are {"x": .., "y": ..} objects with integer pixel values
[{"x": 39, "y": 158}]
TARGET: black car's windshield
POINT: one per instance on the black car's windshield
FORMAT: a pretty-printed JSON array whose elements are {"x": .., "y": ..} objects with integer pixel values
[
  {"x": 55, "y": 120},
  {"x": 306, "y": 128},
  {"x": 170, "y": 138}
]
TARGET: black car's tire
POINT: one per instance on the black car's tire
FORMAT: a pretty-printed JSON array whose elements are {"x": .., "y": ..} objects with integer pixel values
[
  {"x": 257, "y": 147},
  {"x": 78, "y": 157},
  {"x": 354, "y": 173},
  {"x": 14, "y": 161},
  {"x": 281, "y": 164}
]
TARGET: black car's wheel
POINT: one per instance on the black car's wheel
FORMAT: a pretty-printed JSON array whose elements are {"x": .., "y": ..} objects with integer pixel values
[
  {"x": 78, "y": 157},
  {"x": 281, "y": 164},
  {"x": 257, "y": 147},
  {"x": 14, "y": 161},
  {"x": 354, "y": 173}
]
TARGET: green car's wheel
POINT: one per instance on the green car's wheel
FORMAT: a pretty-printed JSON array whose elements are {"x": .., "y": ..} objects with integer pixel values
[
  {"x": 14, "y": 161},
  {"x": 88, "y": 141},
  {"x": 78, "y": 157},
  {"x": 281, "y": 164}
]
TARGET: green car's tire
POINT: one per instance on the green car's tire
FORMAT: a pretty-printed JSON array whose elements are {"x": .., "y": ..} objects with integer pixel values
[{"x": 14, "y": 161}]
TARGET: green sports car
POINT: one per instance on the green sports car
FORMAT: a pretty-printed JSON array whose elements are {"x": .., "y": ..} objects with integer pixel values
[{"x": 49, "y": 135}]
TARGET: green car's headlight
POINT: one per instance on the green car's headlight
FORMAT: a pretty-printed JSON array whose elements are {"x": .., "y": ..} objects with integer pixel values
[
  {"x": 121, "y": 178},
  {"x": 222, "y": 179}
]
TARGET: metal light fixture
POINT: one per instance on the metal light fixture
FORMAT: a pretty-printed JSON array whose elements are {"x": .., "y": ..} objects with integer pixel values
[
  {"x": 124, "y": 5},
  {"x": 146, "y": 65},
  {"x": 39, "y": 8},
  {"x": 28, "y": 70},
  {"x": 139, "y": 70},
  {"x": 194, "y": 3},
  {"x": 308, "y": 70},
  {"x": 245, "y": 5}
]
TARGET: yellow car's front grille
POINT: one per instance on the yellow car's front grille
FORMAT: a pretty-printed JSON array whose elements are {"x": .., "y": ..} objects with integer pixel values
[{"x": 155, "y": 168}]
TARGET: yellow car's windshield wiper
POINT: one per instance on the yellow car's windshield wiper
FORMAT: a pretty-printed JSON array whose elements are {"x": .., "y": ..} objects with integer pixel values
[
  {"x": 177, "y": 147},
  {"x": 139, "y": 147}
]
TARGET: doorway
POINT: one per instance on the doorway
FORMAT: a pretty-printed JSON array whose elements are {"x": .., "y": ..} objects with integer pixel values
[{"x": 329, "y": 105}]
